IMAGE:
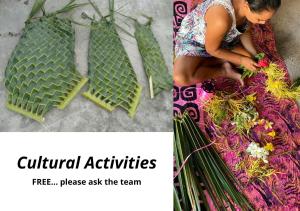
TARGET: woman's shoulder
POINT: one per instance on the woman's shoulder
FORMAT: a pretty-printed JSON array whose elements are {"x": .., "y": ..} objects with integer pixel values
[{"x": 218, "y": 15}]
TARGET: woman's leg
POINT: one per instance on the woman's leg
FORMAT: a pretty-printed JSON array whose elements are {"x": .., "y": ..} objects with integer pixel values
[
  {"x": 194, "y": 69},
  {"x": 190, "y": 70},
  {"x": 214, "y": 68},
  {"x": 184, "y": 69}
]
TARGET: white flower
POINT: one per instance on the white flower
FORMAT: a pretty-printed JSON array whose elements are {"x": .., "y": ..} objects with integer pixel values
[
  {"x": 252, "y": 147},
  {"x": 265, "y": 160},
  {"x": 257, "y": 152}
]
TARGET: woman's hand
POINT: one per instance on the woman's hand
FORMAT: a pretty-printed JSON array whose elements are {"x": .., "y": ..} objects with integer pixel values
[{"x": 249, "y": 63}]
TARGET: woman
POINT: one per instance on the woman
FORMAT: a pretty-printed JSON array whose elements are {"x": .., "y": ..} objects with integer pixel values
[{"x": 215, "y": 38}]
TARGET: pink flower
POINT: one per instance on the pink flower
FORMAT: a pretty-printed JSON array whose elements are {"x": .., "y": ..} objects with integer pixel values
[{"x": 263, "y": 63}]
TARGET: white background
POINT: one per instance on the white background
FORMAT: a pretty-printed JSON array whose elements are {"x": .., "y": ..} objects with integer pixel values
[{"x": 18, "y": 193}]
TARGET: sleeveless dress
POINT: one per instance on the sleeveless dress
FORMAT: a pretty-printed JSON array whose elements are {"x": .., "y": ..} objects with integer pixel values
[{"x": 190, "y": 39}]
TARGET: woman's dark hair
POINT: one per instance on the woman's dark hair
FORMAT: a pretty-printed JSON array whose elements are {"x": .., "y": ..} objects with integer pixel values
[{"x": 260, "y": 5}]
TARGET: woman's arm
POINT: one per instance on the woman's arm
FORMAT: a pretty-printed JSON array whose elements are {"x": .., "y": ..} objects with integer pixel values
[
  {"x": 246, "y": 41},
  {"x": 218, "y": 23}
]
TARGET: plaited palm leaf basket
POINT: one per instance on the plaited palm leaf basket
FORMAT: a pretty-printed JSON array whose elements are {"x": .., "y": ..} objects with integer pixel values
[
  {"x": 153, "y": 61},
  {"x": 112, "y": 80},
  {"x": 41, "y": 73}
]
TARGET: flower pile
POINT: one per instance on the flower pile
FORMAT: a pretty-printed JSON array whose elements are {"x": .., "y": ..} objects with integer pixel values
[
  {"x": 255, "y": 163},
  {"x": 276, "y": 82},
  {"x": 240, "y": 110}
]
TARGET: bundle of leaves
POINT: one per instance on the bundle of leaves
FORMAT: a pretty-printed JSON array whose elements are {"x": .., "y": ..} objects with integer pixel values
[
  {"x": 205, "y": 173},
  {"x": 262, "y": 62}
]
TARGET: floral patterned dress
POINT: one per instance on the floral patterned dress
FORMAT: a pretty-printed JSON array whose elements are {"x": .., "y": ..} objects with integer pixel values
[{"x": 190, "y": 39}]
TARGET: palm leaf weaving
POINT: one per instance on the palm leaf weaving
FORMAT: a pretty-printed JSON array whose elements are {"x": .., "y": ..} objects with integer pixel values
[
  {"x": 206, "y": 166},
  {"x": 153, "y": 61},
  {"x": 41, "y": 73},
  {"x": 112, "y": 80}
]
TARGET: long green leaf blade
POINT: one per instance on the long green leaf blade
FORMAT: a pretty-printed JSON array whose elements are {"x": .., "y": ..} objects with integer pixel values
[{"x": 37, "y": 6}]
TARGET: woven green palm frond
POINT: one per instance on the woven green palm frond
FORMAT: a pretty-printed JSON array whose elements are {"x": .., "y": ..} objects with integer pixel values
[
  {"x": 41, "y": 73},
  {"x": 112, "y": 80},
  {"x": 153, "y": 61}
]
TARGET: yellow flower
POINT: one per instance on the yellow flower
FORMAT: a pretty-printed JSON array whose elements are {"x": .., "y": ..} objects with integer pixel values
[
  {"x": 272, "y": 134},
  {"x": 269, "y": 147},
  {"x": 251, "y": 98},
  {"x": 268, "y": 125},
  {"x": 261, "y": 122}
]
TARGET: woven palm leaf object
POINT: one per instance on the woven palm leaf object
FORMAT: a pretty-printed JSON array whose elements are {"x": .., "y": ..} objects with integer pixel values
[
  {"x": 112, "y": 80},
  {"x": 153, "y": 61},
  {"x": 41, "y": 73}
]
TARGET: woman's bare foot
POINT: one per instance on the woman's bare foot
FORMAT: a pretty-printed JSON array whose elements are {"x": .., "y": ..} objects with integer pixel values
[{"x": 229, "y": 72}]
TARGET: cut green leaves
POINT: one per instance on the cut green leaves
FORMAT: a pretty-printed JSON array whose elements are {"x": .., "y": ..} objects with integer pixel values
[
  {"x": 37, "y": 6},
  {"x": 205, "y": 166}
]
